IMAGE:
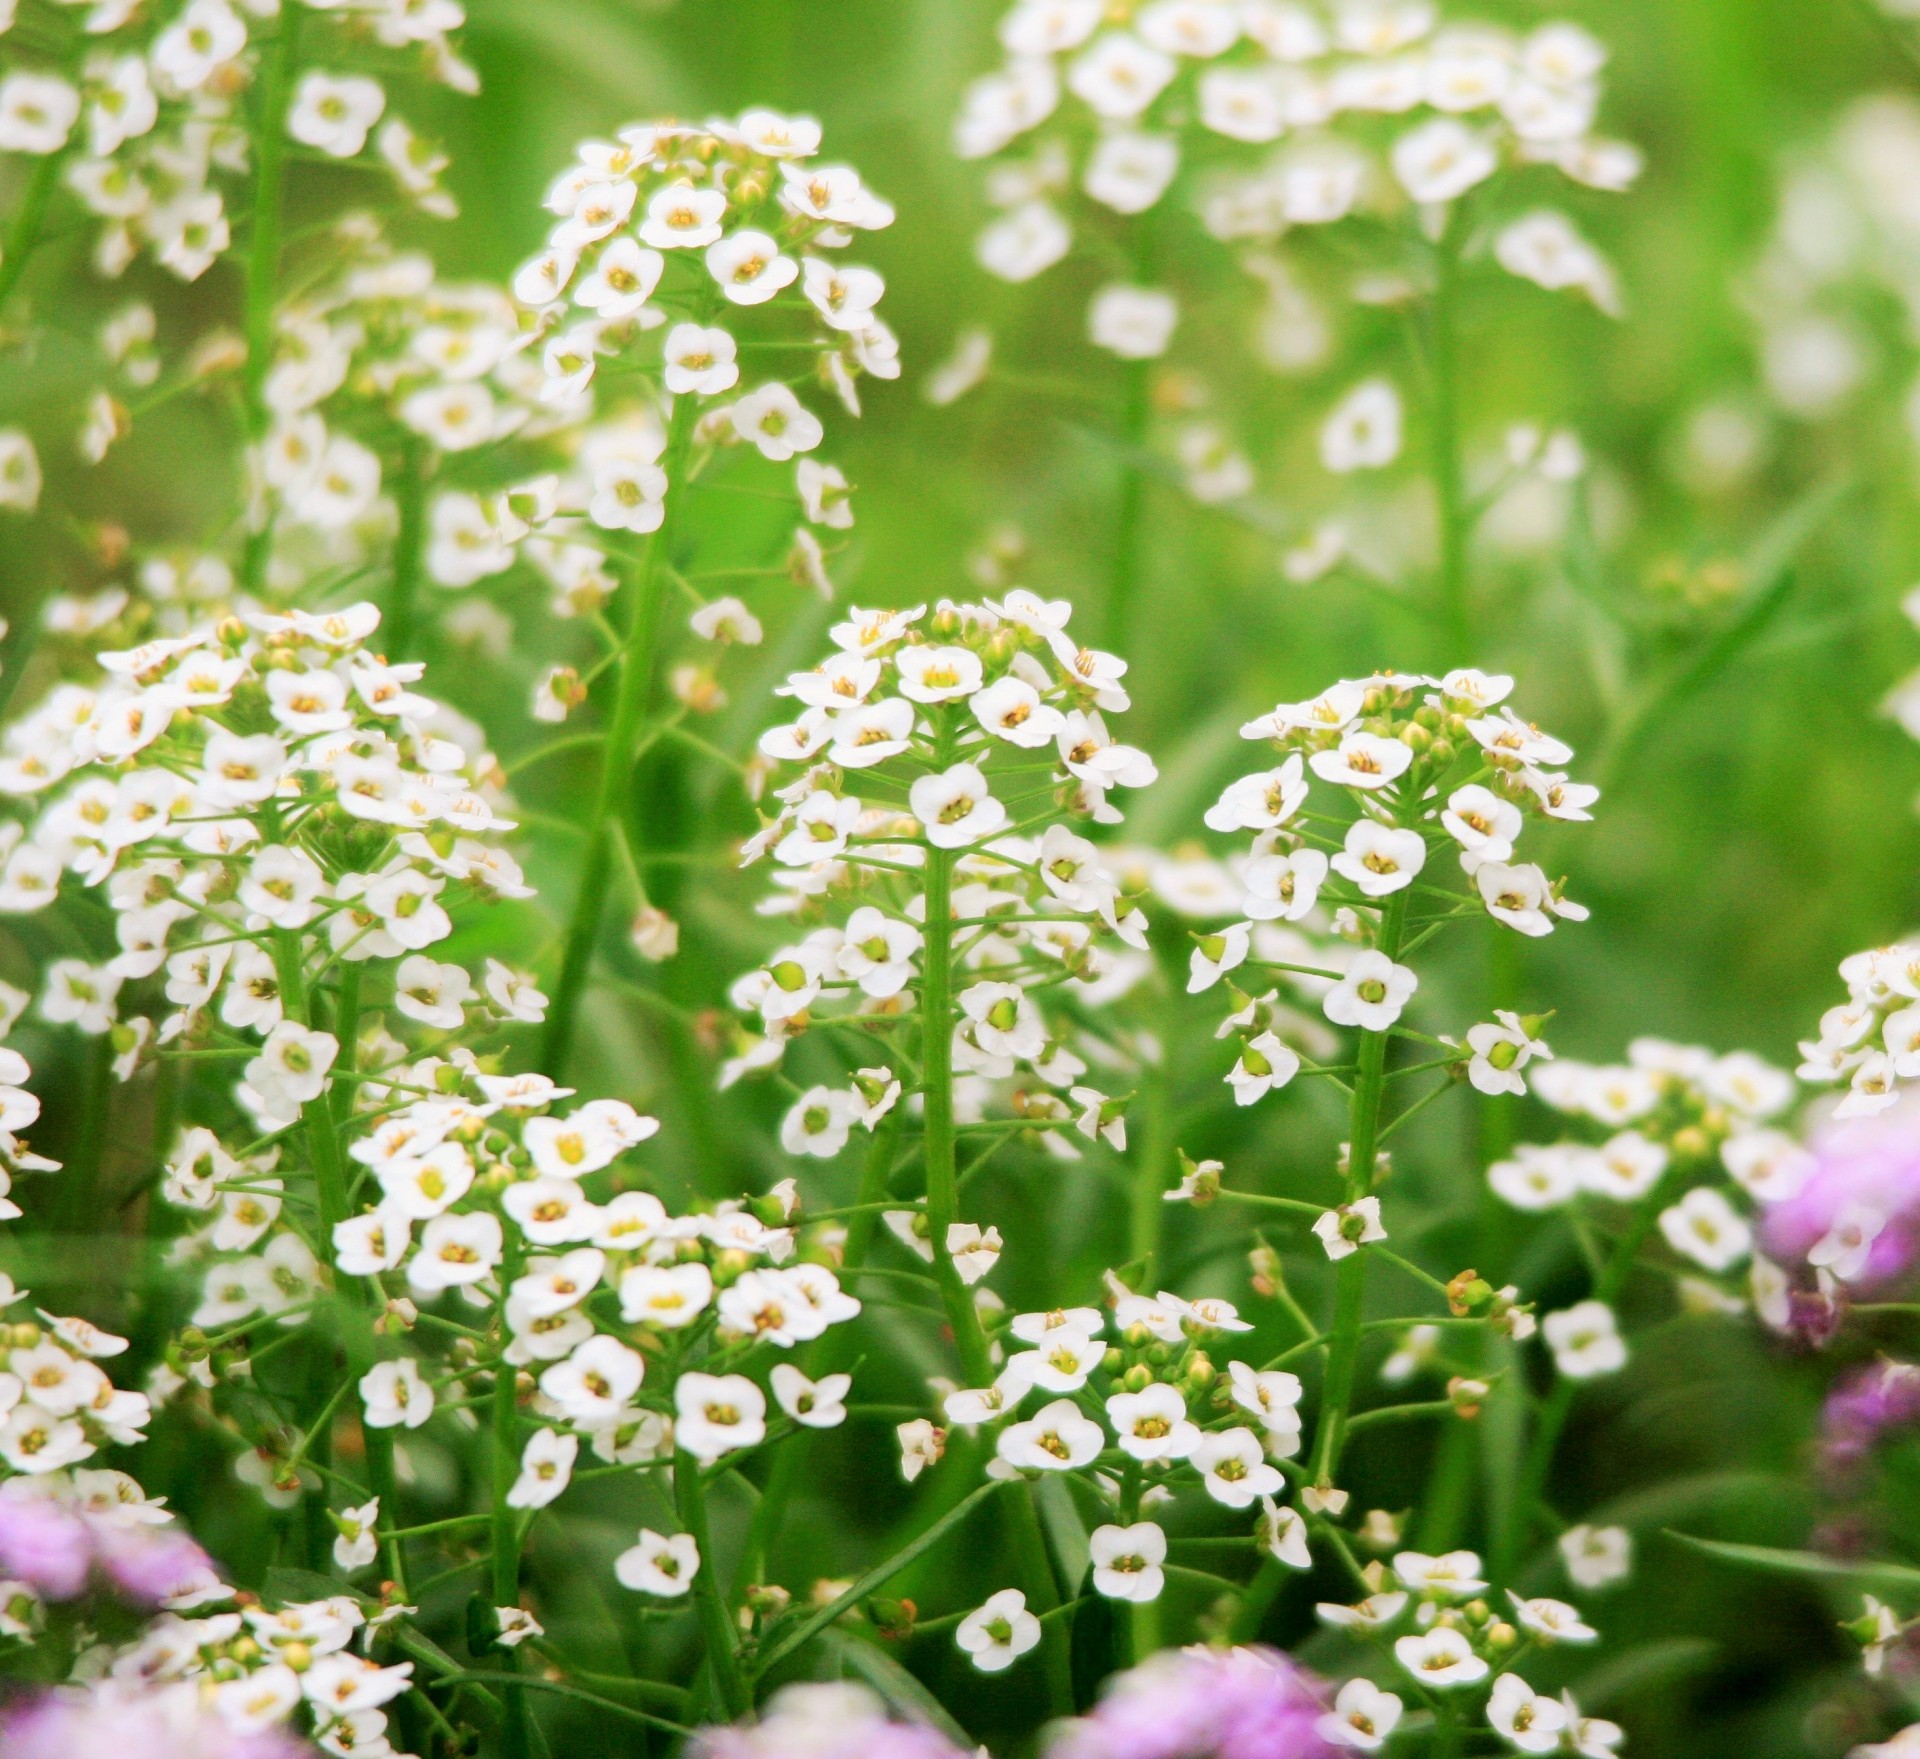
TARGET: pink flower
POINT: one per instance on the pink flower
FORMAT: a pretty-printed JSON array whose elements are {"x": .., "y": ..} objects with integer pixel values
[
  {"x": 829, "y": 1721},
  {"x": 44, "y": 1545},
  {"x": 1202, "y": 1704},
  {"x": 113, "y": 1719},
  {"x": 1866, "y": 1170}
]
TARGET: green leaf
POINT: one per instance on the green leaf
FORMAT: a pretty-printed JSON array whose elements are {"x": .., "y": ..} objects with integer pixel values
[
  {"x": 880, "y": 1573},
  {"x": 1801, "y": 1563},
  {"x": 892, "y": 1681}
]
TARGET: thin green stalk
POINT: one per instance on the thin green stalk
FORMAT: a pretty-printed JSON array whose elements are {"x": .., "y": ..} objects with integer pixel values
[
  {"x": 263, "y": 257},
  {"x": 409, "y": 551},
  {"x": 1043, "y": 1592},
  {"x": 23, "y": 236},
  {"x": 617, "y": 758},
  {"x": 936, "y": 1059},
  {"x": 516, "y": 1737},
  {"x": 1449, "y": 476},
  {"x": 1350, "y": 1284},
  {"x": 716, "y": 1628},
  {"x": 1538, "y": 1465}
]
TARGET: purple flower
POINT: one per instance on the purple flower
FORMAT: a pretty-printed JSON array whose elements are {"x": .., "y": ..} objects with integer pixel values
[
  {"x": 832, "y": 1721},
  {"x": 115, "y": 1720},
  {"x": 1863, "y": 1409},
  {"x": 151, "y": 1565},
  {"x": 1202, "y": 1704},
  {"x": 1864, "y": 1188},
  {"x": 44, "y": 1545}
]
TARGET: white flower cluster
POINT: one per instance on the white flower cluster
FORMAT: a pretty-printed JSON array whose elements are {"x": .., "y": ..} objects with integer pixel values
[
  {"x": 690, "y": 223},
  {"x": 388, "y": 356},
  {"x": 1126, "y": 1397},
  {"x": 1464, "y": 99},
  {"x": 1871, "y": 1041},
  {"x": 1451, "y": 1645},
  {"x": 258, "y": 1669},
  {"x": 151, "y": 118},
  {"x": 972, "y": 735},
  {"x": 250, "y": 797},
  {"x": 1431, "y": 764},
  {"x": 1677, "y": 1122}
]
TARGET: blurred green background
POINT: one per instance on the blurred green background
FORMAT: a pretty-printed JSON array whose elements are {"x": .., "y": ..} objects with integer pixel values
[{"x": 1759, "y": 819}]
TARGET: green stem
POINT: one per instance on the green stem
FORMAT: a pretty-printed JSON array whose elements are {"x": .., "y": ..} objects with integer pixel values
[
  {"x": 409, "y": 550},
  {"x": 23, "y": 236},
  {"x": 617, "y": 758},
  {"x": 1538, "y": 1465},
  {"x": 1043, "y": 1592},
  {"x": 263, "y": 258},
  {"x": 1350, "y": 1284},
  {"x": 936, "y": 1063},
  {"x": 515, "y": 1738},
  {"x": 1449, "y": 478},
  {"x": 716, "y": 1628}
]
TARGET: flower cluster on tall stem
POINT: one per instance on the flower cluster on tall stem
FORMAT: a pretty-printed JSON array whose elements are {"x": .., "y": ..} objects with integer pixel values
[{"x": 696, "y": 231}]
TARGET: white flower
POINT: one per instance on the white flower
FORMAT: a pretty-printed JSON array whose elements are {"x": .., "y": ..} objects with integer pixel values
[
  {"x": 681, "y": 217},
  {"x": 1552, "y": 1621},
  {"x": 1545, "y": 248},
  {"x": 659, "y": 1565},
  {"x": 1272, "y": 1396},
  {"x": 1442, "y": 159},
  {"x": 1119, "y": 76},
  {"x": 749, "y": 267},
  {"x": 1233, "y": 1468},
  {"x": 20, "y": 477},
  {"x": 515, "y": 1625},
  {"x": 1371, "y": 994},
  {"x": 455, "y": 1251},
  {"x": 1363, "y": 760},
  {"x": 921, "y": 1445},
  {"x": 699, "y": 361},
  {"x": 1518, "y": 896},
  {"x": 1057, "y": 1439},
  {"x": 1597, "y": 1556},
  {"x": 1345, "y": 1229},
  {"x": 357, "y": 1544},
  {"x": 1440, "y": 1658},
  {"x": 1214, "y": 955},
  {"x": 1283, "y": 887},
  {"x": 1538, "y": 1178},
  {"x": 513, "y": 993},
  {"x": 1127, "y": 1560},
  {"x": 1024, "y": 243},
  {"x": 814, "y": 1404},
  {"x": 546, "y": 1463},
  {"x": 1585, "y": 1340},
  {"x": 974, "y": 1251},
  {"x": 1502, "y": 1048},
  {"x": 335, "y": 115},
  {"x": 1363, "y": 432},
  {"x": 998, "y": 1633},
  {"x": 1453, "y": 1575},
  {"x": 392, "y": 1393},
  {"x": 1264, "y": 1064},
  {"x": 1129, "y": 172},
  {"x": 1136, "y": 323},
  {"x": 844, "y": 297},
  {"x": 623, "y": 280},
  {"x": 777, "y": 422},
  {"x": 956, "y": 808},
  {"x": 824, "y": 494},
  {"x": 37, "y": 113},
  {"x": 1362, "y": 1717},
  {"x": 1529, "y": 1721},
  {"x": 1282, "y": 1534},
  {"x": 818, "y": 1123},
  {"x": 1705, "y": 1227},
  {"x": 1380, "y": 859},
  {"x": 670, "y": 1296},
  {"x": 293, "y": 1063},
  {"x": 718, "y": 1414},
  {"x": 1153, "y": 1424}
]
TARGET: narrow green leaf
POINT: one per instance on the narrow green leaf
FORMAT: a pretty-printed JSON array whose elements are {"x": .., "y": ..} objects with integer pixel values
[{"x": 1801, "y": 1563}]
